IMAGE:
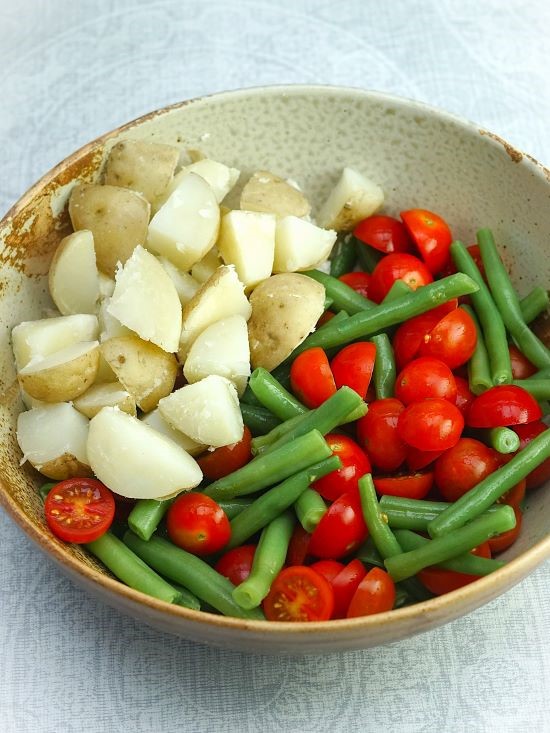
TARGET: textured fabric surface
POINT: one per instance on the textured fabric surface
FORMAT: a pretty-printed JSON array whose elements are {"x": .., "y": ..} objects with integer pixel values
[{"x": 69, "y": 71}]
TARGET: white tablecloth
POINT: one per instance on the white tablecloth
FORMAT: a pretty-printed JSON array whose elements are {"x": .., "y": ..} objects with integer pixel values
[{"x": 70, "y": 71}]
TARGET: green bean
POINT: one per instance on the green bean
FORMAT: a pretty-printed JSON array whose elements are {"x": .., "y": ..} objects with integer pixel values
[
  {"x": 344, "y": 297},
  {"x": 258, "y": 419},
  {"x": 479, "y": 371},
  {"x": 368, "y": 554},
  {"x": 273, "y": 502},
  {"x": 368, "y": 256},
  {"x": 384, "y": 367},
  {"x": 249, "y": 398},
  {"x": 233, "y": 507},
  {"x": 466, "y": 563},
  {"x": 507, "y": 302},
  {"x": 343, "y": 256},
  {"x": 190, "y": 571},
  {"x": 534, "y": 303},
  {"x": 537, "y": 388},
  {"x": 146, "y": 515},
  {"x": 310, "y": 509},
  {"x": 260, "y": 442},
  {"x": 455, "y": 543},
  {"x": 274, "y": 396},
  {"x": 269, "y": 558},
  {"x": 414, "y": 514},
  {"x": 327, "y": 304},
  {"x": 541, "y": 374},
  {"x": 187, "y": 599},
  {"x": 503, "y": 440},
  {"x": 45, "y": 489},
  {"x": 475, "y": 501},
  {"x": 397, "y": 290}
]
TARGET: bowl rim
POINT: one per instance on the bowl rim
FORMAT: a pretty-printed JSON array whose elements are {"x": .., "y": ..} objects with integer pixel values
[{"x": 469, "y": 596}]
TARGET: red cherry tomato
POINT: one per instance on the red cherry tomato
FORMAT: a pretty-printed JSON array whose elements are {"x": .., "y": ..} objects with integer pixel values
[
  {"x": 452, "y": 340},
  {"x": 341, "y": 530},
  {"x": 416, "y": 486},
  {"x": 384, "y": 233},
  {"x": 79, "y": 510},
  {"x": 411, "y": 334},
  {"x": 311, "y": 377},
  {"x": 377, "y": 433},
  {"x": 503, "y": 406},
  {"x": 236, "y": 564},
  {"x": 505, "y": 540},
  {"x": 418, "y": 459},
  {"x": 353, "y": 366},
  {"x": 521, "y": 366},
  {"x": 344, "y": 586},
  {"x": 439, "y": 581},
  {"x": 375, "y": 594},
  {"x": 433, "y": 424},
  {"x": 325, "y": 318},
  {"x": 432, "y": 236},
  {"x": 425, "y": 377},
  {"x": 329, "y": 569},
  {"x": 397, "y": 267},
  {"x": 514, "y": 496},
  {"x": 229, "y": 458},
  {"x": 464, "y": 396},
  {"x": 541, "y": 473},
  {"x": 196, "y": 523},
  {"x": 298, "y": 546},
  {"x": 355, "y": 463},
  {"x": 463, "y": 466},
  {"x": 358, "y": 281},
  {"x": 299, "y": 593},
  {"x": 475, "y": 254}
]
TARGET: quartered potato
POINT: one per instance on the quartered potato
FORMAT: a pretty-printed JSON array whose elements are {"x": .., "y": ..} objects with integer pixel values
[
  {"x": 106, "y": 286},
  {"x": 352, "y": 199},
  {"x": 300, "y": 245},
  {"x": 109, "y": 326},
  {"x": 144, "y": 370},
  {"x": 186, "y": 285},
  {"x": 73, "y": 277},
  {"x": 153, "y": 467},
  {"x": 53, "y": 440},
  {"x": 146, "y": 301},
  {"x": 205, "y": 268},
  {"x": 117, "y": 217},
  {"x": 268, "y": 193},
  {"x": 155, "y": 420},
  {"x": 219, "y": 177},
  {"x": 32, "y": 340},
  {"x": 247, "y": 240},
  {"x": 110, "y": 394},
  {"x": 285, "y": 309}
]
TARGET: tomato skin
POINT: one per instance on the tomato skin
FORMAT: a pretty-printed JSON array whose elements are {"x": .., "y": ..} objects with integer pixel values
[
  {"x": 522, "y": 368},
  {"x": 419, "y": 459},
  {"x": 374, "y": 594},
  {"x": 325, "y": 318},
  {"x": 236, "y": 564},
  {"x": 425, "y": 377},
  {"x": 540, "y": 474},
  {"x": 453, "y": 340},
  {"x": 298, "y": 546},
  {"x": 358, "y": 281},
  {"x": 503, "y": 406},
  {"x": 311, "y": 377},
  {"x": 464, "y": 395},
  {"x": 410, "y": 335},
  {"x": 341, "y": 530},
  {"x": 353, "y": 366},
  {"x": 383, "y": 233},
  {"x": 377, "y": 434},
  {"x": 355, "y": 463},
  {"x": 79, "y": 510},
  {"x": 463, "y": 466},
  {"x": 433, "y": 424},
  {"x": 514, "y": 496},
  {"x": 329, "y": 569},
  {"x": 440, "y": 581},
  {"x": 394, "y": 267},
  {"x": 223, "y": 461},
  {"x": 344, "y": 586},
  {"x": 298, "y": 593},
  {"x": 505, "y": 540},
  {"x": 431, "y": 235},
  {"x": 416, "y": 486},
  {"x": 196, "y": 523}
]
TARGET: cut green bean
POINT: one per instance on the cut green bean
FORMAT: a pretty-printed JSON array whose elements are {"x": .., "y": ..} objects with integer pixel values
[
  {"x": 384, "y": 367},
  {"x": 455, "y": 543},
  {"x": 541, "y": 374},
  {"x": 344, "y": 297},
  {"x": 397, "y": 290},
  {"x": 269, "y": 558},
  {"x": 327, "y": 304},
  {"x": 503, "y": 440},
  {"x": 413, "y": 514},
  {"x": 343, "y": 256},
  {"x": 537, "y": 388},
  {"x": 259, "y": 420},
  {"x": 310, "y": 509},
  {"x": 275, "y": 501},
  {"x": 187, "y": 599},
  {"x": 260, "y": 442},
  {"x": 479, "y": 370},
  {"x": 368, "y": 554},
  {"x": 233, "y": 507},
  {"x": 534, "y": 303},
  {"x": 190, "y": 571},
  {"x": 45, "y": 489},
  {"x": 249, "y": 398},
  {"x": 146, "y": 515},
  {"x": 272, "y": 395},
  {"x": 477, "y": 500},
  {"x": 367, "y": 256}
]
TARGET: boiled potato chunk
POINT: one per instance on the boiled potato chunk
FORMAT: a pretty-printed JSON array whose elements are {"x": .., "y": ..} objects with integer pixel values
[
  {"x": 146, "y": 301},
  {"x": 285, "y": 309},
  {"x": 268, "y": 193},
  {"x": 106, "y": 286},
  {"x": 186, "y": 225},
  {"x": 155, "y": 420},
  {"x": 219, "y": 177},
  {"x": 53, "y": 440},
  {"x": 300, "y": 245},
  {"x": 33, "y": 340},
  {"x": 73, "y": 277},
  {"x": 207, "y": 411},
  {"x": 117, "y": 217},
  {"x": 142, "y": 166},
  {"x": 110, "y": 394},
  {"x": 186, "y": 285},
  {"x": 352, "y": 199},
  {"x": 222, "y": 349},
  {"x": 109, "y": 326},
  {"x": 144, "y": 370},
  {"x": 221, "y": 296},
  {"x": 205, "y": 268},
  {"x": 247, "y": 240},
  {"x": 62, "y": 376},
  {"x": 134, "y": 460}
]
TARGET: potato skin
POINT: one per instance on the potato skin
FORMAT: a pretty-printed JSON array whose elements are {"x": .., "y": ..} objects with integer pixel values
[
  {"x": 266, "y": 192},
  {"x": 64, "y": 467},
  {"x": 65, "y": 381},
  {"x": 141, "y": 166}
]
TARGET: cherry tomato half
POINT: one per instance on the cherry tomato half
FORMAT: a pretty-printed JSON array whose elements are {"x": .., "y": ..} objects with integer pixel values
[
  {"x": 377, "y": 433},
  {"x": 344, "y": 586},
  {"x": 196, "y": 523},
  {"x": 416, "y": 486},
  {"x": 358, "y": 281},
  {"x": 375, "y": 594},
  {"x": 384, "y": 233},
  {"x": 236, "y": 564},
  {"x": 503, "y": 406},
  {"x": 341, "y": 530},
  {"x": 432, "y": 236},
  {"x": 521, "y": 366},
  {"x": 425, "y": 377},
  {"x": 353, "y": 366},
  {"x": 433, "y": 424},
  {"x": 298, "y": 593},
  {"x": 439, "y": 581},
  {"x": 505, "y": 540},
  {"x": 452, "y": 340},
  {"x": 541, "y": 473},
  {"x": 463, "y": 466},
  {"x": 228, "y": 458},
  {"x": 355, "y": 463},
  {"x": 79, "y": 510},
  {"x": 394, "y": 267},
  {"x": 311, "y": 377},
  {"x": 464, "y": 395},
  {"x": 329, "y": 569},
  {"x": 418, "y": 459},
  {"x": 411, "y": 334}
]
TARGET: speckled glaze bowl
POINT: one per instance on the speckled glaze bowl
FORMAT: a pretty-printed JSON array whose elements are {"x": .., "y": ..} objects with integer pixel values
[{"x": 421, "y": 157}]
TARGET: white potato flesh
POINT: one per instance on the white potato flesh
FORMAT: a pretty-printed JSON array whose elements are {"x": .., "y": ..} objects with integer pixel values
[
  {"x": 146, "y": 301},
  {"x": 221, "y": 349},
  {"x": 53, "y": 440},
  {"x": 207, "y": 411},
  {"x": 110, "y": 394},
  {"x": 300, "y": 245},
  {"x": 30, "y": 401},
  {"x": 155, "y": 420},
  {"x": 221, "y": 296},
  {"x": 106, "y": 286},
  {"x": 134, "y": 460},
  {"x": 267, "y": 192},
  {"x": 186, "y": 225},
  {"x": 109, "y": 326},
  {"x": 61, "y": 376},
  {"x": 205, "y": 268},
  {"x": 247, "y": 240},
  {"x": 220, "y": 177},
  {"x": 37, "y": 339},
  {"x": 352, "y": 199},
  {"x": 73, "y": 277},
  {"x": 142, "y": 166},
  {"x": 186, "y": 285}
]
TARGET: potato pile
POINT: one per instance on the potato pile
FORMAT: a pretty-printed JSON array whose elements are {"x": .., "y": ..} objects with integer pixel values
[{"x": 160, "y": 282}]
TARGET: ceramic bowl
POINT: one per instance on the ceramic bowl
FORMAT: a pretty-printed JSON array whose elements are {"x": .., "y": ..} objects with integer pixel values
[{"x": 422, "y": 157}]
